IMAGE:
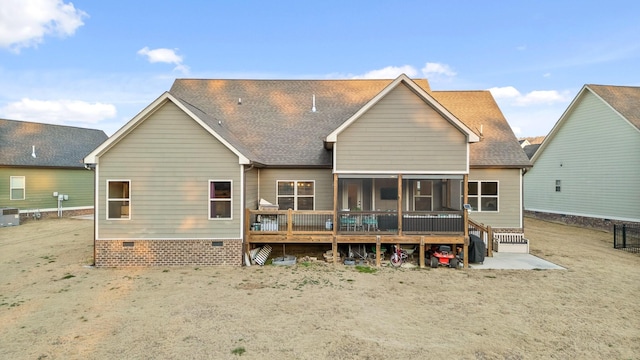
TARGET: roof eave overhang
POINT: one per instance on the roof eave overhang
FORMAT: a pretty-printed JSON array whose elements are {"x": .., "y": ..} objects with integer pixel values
[{"x": 500, "y": 166}]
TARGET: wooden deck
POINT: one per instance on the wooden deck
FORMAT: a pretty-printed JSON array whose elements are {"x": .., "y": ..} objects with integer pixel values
[{"x": 317, "y": 227}]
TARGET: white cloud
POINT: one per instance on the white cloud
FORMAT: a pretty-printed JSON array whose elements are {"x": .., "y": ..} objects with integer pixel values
[
  {"x": 535, "y": 97},
  {"x": 164, "y": 55},
  {"x": 437, "y": 69},
  {"x": 58, "y": 111},
  {"x": 430, "y": 70},
  {"x": 25, "y": 23},
  {"x": 389, "y": 72}
]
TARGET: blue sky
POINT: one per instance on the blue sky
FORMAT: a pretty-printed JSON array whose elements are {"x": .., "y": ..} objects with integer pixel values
[{"x": 97, "y": 64}]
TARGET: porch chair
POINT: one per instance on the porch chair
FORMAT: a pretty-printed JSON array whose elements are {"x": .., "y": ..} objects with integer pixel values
[
  {"x": 348, "y": 222},
  {"x": 371, "y": 221}
]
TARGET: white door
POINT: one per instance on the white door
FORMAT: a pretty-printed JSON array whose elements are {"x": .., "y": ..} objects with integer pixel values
[{"x": 352, "y": 195}]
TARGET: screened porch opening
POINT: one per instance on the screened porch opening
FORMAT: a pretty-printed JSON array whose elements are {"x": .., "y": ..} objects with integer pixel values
[{"x": 414, "y": 204}]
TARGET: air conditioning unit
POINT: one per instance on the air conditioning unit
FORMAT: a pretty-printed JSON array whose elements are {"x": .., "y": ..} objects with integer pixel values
[{"x": 9, "y": 217}]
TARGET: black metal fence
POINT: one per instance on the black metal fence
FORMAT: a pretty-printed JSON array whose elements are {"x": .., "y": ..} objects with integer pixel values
[{"x": 627, "y": 237}]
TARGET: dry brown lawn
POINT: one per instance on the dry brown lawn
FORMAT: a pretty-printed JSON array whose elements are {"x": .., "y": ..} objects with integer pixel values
[{"x": 54, "y": 306}]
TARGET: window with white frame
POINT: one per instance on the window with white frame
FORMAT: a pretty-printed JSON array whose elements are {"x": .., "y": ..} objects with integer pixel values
[
  {"x": 296, "y": 194},
  {"x": 483, "y": 195},
  {"x": 220, "y": 199},
  {"x": 17, "y": 188},
  {"x": 118, "y": 200},
  {"x": 423, "y": 195},
  {"x": 558, "y": 185}
]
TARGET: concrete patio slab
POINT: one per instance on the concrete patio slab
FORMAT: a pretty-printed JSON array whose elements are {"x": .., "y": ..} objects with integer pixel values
[{"x": 514, "y": 261}]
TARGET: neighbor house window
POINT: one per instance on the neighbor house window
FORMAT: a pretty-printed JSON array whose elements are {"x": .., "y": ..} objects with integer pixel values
[
  {"x": 296, "y": 195},
  {"x": 118, "y": 199},
  {"x": 220, "y": 199},
  {"x": 17, "y": 187},
  {"x": 483, "y": 195},
  {"x": 558, "y": 186},
  {"x": 423, "y": 195}
]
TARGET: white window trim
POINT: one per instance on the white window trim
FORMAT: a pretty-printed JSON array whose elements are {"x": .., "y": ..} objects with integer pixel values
[
  {"x": 117, "y": 199},
  {"x": 24, "y": 187},
  {"x": 479, "y": 196},
  {"x": 209, "y": 199},
  {"x": 295, "y": 193}
]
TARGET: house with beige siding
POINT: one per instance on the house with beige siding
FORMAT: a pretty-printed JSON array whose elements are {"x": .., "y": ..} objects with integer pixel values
[
  {"x": 42, "y": 171},
  {"x": 587, "y": 169},
  {"x": 342, "y": 162}
]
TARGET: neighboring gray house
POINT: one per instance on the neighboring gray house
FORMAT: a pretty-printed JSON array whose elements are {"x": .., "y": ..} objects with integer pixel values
[
  {"x": 346, "y": 161},
  {"x": 38, "y": 160},
  {"x": 587, "y": 169}
]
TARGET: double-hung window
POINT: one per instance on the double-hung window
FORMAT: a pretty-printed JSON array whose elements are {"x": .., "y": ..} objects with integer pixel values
[
  {"x": 17, "y": 188},
  {"x": 296, "y": 194},
  {"x": 118, "y": 199},
  {"x": 220, "y": 199},
  {"x": 483, "y": 195}
]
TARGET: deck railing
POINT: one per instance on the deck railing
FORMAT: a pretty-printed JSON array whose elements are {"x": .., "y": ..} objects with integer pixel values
[
  {"x": 292, "y": 222},
  {"x": 428, "y": 222},
  {"x": 484, "y": 232}
]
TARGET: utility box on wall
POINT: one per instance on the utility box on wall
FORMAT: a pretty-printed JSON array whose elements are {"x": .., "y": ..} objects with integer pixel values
[{"x": 9, "y": 217}]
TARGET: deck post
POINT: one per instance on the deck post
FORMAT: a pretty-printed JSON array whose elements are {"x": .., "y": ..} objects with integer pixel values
[
  {"x": 399, "y": 207},
  {"x": 247, "y": 234},
  {"x": 289, "y": 222},
  {"x": 422, "y": 252},
  {"x": 378, "y": 262},
  {"x": 335, "y": 205},
  {"x": 334, "y": 247},
  {"x": 465, "y": 217},
  {"x": 489, "y": 241},
  {"x": 465, "y": 253}
]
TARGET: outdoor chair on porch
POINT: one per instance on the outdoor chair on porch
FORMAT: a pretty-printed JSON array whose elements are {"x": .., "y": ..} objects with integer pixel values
[
  {"x": 348, "y": 222},
  {"x": 371, "y": 222}
]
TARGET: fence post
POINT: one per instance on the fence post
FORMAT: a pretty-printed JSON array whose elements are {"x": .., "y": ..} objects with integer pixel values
[{"x": 624, "y": 236}]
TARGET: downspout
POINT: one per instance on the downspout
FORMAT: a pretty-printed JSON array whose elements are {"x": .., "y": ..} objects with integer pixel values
[
  {"x": 95, "y": 207},
  {"x": 243, "y": 212}
]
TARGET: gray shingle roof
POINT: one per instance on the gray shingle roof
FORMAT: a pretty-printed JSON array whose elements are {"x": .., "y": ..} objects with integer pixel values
[
  {"x": 498, "y": 146},
  {"x": 625, "y": 99},
  {"x": 530, "y": 150},
  {"x": 273, "y": 121},
  {"x": 55, "y": 145}
]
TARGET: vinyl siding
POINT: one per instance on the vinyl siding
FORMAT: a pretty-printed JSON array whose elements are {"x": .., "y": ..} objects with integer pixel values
[
  {"x": 594, "y": 154},
  {"x": 252, "y": 195},
  {"x": 41, "y": 183},
  {"x": 169, "y": 159},
  {"x": 323, "y": 184},
  {"x": 509, "y": 214},
  {"x": 401, "y": 133}
]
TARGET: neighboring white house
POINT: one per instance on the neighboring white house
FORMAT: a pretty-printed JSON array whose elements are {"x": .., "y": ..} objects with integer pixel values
[{"x": 587, "y": 169}]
